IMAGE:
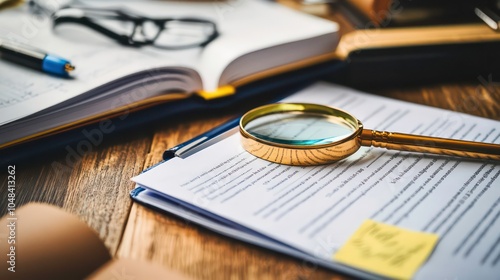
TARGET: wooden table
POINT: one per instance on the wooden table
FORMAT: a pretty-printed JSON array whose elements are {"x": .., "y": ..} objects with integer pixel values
[{"x": 96, "y": 189}]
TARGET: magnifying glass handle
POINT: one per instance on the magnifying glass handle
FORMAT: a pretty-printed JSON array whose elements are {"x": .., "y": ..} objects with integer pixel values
[{"x": 426, "y": 144}]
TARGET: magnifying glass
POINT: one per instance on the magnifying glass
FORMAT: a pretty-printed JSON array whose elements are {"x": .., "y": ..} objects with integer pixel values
[{"x": 312, "y": 134}]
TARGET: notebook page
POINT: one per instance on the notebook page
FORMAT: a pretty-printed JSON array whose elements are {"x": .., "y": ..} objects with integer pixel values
[
  {"x": 24, "y": 91},
  {"x": 248, "y": 27},
  {"x": 316, "y": 209}
]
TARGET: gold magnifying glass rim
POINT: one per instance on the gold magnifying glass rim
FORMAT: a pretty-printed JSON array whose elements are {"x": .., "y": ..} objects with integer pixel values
[{"x": 300, "y": 154}]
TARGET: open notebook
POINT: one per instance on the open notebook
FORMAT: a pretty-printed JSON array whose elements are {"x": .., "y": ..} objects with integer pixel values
[{"x": 257, "y": 39}]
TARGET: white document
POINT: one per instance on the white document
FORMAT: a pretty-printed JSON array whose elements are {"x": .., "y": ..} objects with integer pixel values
[{"x": 315, "y": 209}]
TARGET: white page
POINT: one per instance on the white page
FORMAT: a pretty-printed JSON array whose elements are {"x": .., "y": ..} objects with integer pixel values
[
  {"x": 250, "y": 26},
  {"x": 244, "y": 26},
  {"x": 316, "y": 209},
  {"x": 24, "y": 91}
]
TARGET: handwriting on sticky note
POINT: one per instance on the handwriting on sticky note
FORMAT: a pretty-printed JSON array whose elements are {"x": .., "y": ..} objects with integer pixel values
[{"x": 386, "y": 249}]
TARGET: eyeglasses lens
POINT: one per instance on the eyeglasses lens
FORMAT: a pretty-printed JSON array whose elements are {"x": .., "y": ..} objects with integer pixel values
[{"x": 178, "y": 33}]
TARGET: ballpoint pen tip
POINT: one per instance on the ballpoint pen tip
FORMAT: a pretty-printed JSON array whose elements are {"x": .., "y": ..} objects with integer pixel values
[{"x": 68, "y": 67}]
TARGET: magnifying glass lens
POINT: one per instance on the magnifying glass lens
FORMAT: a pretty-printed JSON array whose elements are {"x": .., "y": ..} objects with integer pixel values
[
  {"x": 300, "y": 128},
  {"x": 300, "y": 133}
]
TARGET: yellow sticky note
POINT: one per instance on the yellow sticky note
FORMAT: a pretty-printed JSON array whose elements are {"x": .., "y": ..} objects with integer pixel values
[{"x": 386, "y": 250}]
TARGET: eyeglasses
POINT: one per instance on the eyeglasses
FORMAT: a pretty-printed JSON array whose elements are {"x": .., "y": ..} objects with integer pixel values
[{"x": 133, "y": 30}]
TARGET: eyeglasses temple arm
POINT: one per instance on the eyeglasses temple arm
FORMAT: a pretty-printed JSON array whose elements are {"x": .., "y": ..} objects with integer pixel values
[{"x": 123, "y": 39}]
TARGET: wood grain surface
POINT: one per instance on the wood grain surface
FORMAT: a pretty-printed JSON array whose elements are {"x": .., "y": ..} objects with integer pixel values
[{"x": 96, "y": 188}]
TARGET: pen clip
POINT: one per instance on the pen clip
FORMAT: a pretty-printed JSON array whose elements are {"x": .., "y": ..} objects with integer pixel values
[{"x": 489, "y": 17}]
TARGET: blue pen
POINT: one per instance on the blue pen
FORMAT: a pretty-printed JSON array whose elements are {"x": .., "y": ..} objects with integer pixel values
[
  {"x": 35, "y": 59},
  {"x": 196, "y": 142}
]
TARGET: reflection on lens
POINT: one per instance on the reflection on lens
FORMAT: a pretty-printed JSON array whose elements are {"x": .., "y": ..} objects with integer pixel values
[
  {"x": 150, "y": 30},
  {"x": 184, "y": 33},
  {"x": 295, "y": 128}
]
